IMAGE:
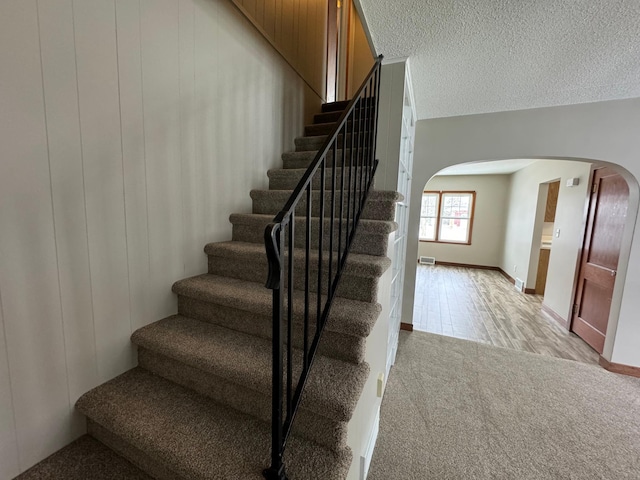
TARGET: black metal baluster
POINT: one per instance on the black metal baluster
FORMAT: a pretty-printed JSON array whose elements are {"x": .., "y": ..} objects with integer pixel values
[
  {"x": 365, "y": 141},
  {"x": 342, "y": 174},
  {"x": 290, "y": 281},
  {"x": 367, "y": 136},
  {"x": 348, "y": 224},
  {"x": 375, "y": 129},
  {"x": 354, "y": 155},
  {"x": 306, "y": 278},
  {"x": 372, "y": 138},
  {"x": 323, "y": 172},
  {"x": 333, "y": 215},
  {"x": 365, "y": 145},
  {"x": 359, "y": 169}
]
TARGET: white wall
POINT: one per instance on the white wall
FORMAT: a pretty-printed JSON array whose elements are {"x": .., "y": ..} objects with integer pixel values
[
  {"x": 602, "y": 131},
  {"x": 396, "y": 106},
  {"x": 489, "y": 220},
  {"x": 522, "y": 243},
  {"x": 362, "y": 423},
  {"x": 129, "y": 130},
  {"x": 392, "y": 92}
]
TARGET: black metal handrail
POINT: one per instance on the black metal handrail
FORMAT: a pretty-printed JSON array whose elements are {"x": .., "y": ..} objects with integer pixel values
[{"x": 355, "y": 132}]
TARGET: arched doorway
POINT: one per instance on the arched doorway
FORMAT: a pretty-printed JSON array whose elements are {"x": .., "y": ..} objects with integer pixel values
[
  {"x": 603, "y": 133},
  {"x": 508, "y": 228}
]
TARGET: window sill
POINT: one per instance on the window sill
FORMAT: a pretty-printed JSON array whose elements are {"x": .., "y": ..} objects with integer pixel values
[{"x": 446, "y": 243}]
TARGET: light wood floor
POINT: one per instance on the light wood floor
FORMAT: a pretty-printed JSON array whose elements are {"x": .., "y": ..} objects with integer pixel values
[{"x": 481, "y": 305}]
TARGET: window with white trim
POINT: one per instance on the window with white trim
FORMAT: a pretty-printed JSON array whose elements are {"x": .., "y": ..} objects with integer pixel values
[{"x": 447, "y": 217}]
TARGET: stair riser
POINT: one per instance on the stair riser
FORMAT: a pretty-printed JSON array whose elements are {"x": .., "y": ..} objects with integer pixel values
[
  {"x": 289, "y": 179},
  {"x": 335, "y": 106},
  {"x": 334, "y": 344},
  {"x": 327, "y": 128},
  {"x": 302, "y": 160},
  {"x": 309, "y": 425},
  {"x": 343, "y": 104},
  {"x": 272, "y": 204},
  {"x": 144, "y": 462},
  {"x": 327, "y": 117},
  {"x": 155, "y": 465},
  {"x": 364, "y": 289},
  {"x": 363, "y": 242},
  {"x": 305, "y": 144}
]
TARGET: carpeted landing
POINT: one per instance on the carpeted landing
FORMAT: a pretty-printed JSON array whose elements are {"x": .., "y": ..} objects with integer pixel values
[
  {"x": 198, "y": 406},
  {"x": 455, "y": 409}
]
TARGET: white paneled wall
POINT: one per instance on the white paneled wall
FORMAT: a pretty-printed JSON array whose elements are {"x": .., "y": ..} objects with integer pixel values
[{"x": 129, "y": 131}]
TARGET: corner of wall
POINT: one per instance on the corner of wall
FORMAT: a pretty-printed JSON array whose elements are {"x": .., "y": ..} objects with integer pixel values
[{"x": 364, "y": 419}]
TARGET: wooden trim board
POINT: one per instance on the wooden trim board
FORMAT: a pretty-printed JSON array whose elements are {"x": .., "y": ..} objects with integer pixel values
[
  {"x": 507, "y": 276},
  {"x": 619, "y": 368},
  {"x": 466, "y": 265},
  {"x": 406, "y": 326},
  {"x": 555, "y": 316},
  {"x": 528, "y": 291}
]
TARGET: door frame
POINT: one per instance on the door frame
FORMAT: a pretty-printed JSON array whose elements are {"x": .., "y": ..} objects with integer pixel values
[
  {"x": 332, "y": 81},
  {"x": 583, "y": 235}
]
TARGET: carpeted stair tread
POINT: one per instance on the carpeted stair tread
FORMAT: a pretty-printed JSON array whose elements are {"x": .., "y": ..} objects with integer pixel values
[
  {"x": 246, "y": 260},
  {"x": 370, "y": 227},
  {"x": 335, "y": 106},
  {"x": 307, "y": 143},
  {"x": 374, "y": 195},
  {"x": 288, "y": 178},
  {"x": 319, "y": 129},
  {"x": 327, "y": 117},
  {"x": 326, "y": 431},
  {"x": 316, "y": 129},
  {"x": 380, "y": 205},
  {"x": 302, "y": 160},
  {"x": 332, "y": 390},
  {"x": 315, "y": 142},
  {"x": 357, "y": 264},
  {"x": 196, "y": 439},
  {"x": 84, "y": 459},
  {"x": 350, "y": 317},
  {"x": 372, "y": 236}
]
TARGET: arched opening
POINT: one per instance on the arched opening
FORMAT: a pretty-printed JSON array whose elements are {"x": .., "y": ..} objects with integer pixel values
[{"x": 508, "y": 226}]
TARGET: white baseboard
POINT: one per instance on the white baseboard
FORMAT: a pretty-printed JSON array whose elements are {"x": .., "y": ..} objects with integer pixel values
[{"x": 365, "y": 460}]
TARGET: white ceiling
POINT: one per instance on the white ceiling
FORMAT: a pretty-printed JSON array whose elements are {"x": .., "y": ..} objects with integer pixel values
[
  {"x": 478, "y": 56},
  {"x": 496, "y": 167}
]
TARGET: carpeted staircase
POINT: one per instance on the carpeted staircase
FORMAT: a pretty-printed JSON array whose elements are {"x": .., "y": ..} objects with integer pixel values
[{"x": 198, "y": 404}]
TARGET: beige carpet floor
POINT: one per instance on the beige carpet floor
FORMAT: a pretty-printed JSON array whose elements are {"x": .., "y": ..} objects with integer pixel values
[{"x": 455, "y": 409}]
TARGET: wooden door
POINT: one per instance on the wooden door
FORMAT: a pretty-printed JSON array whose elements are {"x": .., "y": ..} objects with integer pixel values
[{"x": 599, "y": 262}]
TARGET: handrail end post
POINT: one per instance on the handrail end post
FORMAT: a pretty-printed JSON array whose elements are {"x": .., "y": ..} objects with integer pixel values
[{"x": 271, "y": 241}]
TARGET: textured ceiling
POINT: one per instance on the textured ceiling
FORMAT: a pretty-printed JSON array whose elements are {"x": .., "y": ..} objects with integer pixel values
[{"x": 478, "y": 56}]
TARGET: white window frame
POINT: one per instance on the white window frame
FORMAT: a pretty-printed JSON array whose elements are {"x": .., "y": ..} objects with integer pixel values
[{"x": 440, "y": 215}]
